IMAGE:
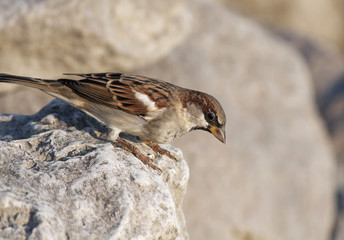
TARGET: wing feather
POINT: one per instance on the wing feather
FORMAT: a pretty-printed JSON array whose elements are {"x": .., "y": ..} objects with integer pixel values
[{"x": 118, "y": 91}]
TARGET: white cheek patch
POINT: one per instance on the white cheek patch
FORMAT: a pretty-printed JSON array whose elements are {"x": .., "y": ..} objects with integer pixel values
[{"x": 146, "y": 101}]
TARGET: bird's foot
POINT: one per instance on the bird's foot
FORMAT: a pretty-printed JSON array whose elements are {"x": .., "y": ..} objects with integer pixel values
[
  {"x": 137, "y": 153},
  {"x": 156, "y": 148}
]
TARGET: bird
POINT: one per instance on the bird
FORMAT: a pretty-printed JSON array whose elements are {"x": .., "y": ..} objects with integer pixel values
[{"x": 152, "y": 110}]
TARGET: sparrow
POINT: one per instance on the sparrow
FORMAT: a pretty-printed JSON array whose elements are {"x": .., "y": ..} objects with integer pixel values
[{"x": 152, "y": 110}]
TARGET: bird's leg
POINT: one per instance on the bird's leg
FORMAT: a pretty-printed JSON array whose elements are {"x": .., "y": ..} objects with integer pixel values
[
  {"x": 156, "y": 148},
  {"x": 137, "y": 153}
]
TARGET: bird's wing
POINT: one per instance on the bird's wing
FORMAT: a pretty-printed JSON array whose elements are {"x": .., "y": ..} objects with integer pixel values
[{"x": 131, "y": 93}]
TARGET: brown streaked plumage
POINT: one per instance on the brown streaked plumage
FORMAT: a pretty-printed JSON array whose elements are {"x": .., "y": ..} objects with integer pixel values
[
  {"x": 117, "y": 90},
  {"x": 153, "y": 110}
]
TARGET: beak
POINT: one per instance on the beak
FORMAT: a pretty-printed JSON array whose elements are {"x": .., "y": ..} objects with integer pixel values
[{"x": 219, "y": 133}]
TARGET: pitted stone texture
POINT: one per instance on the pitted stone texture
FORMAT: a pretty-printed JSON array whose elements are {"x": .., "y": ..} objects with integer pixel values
[{"x": 63, "y": 178}]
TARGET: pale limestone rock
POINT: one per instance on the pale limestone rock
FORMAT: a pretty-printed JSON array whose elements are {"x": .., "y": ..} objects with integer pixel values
[
  {"x": 275, "y": 177},
  {"x": 327, "y": 68},
  {"x": 49, "y": 37},
  {"x": 59, "y": 181},
  {"x": 300, "y": 16}
]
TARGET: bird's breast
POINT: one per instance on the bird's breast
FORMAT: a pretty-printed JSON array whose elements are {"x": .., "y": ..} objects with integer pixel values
[{"x": 165, "y": 129}]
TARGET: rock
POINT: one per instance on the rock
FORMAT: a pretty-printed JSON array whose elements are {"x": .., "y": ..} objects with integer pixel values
[
  {"x": 7, "y": 88},
  {"x": 44, "y": 38},
  {"x": 300, "y": 16},
  {"x": 22, "y": 100},
  {"x": 326, "y": 65},
  {"x": 327, "y": 68},
  {"x": 20, "y": 220},
  {"x": 59, "y": 181},
  {"x": 275, "y": 178},
  {"x": 47, "y": 37}
]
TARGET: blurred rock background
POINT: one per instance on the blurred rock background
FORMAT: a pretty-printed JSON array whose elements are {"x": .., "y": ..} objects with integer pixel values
[
  {"x": 276, "y": 66},
  {"x": 321, "y": 20}
]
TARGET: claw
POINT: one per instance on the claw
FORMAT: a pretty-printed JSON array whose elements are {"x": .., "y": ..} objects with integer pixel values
[
  {"x": 137, "y": 153},
  {"x": 156, "y": 148}
]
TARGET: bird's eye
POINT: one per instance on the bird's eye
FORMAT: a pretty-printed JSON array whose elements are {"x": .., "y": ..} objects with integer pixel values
[{"x": 210, "y": 116}]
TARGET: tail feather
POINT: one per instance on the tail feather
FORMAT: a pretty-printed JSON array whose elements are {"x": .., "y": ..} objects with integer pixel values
[{"x": 41, "y": 84}]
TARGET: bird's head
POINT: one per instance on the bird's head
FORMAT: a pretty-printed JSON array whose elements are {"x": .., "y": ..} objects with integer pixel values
[{"x": 207, "y": 114}]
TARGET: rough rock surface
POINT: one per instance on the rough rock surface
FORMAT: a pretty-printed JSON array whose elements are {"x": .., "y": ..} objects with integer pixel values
[
  {"x": 59, "y": 181},
  {"x": 274, "y": 179}
]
